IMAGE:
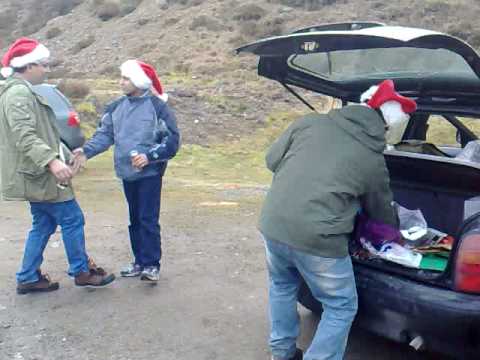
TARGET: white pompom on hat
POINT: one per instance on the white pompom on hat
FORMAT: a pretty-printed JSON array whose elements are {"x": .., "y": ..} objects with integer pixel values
[
  {"x": 23, "y": 52},
  {"x": 143, "y": 76}
]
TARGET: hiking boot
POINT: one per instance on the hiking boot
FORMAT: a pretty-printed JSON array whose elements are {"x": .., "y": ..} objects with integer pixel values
[
  {"x": 131, "y": 270},
  {"x": 93, "y": 268},
  {"x": 93, "y": 279},
  {"x": 150, "y": 273},
  {"x": 43, "y": 284}
]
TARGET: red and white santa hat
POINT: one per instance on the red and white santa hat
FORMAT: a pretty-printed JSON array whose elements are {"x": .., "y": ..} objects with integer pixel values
[
  {"x": 378, "y": 95},
  {"x": 22, "y": 52},
  {"x": 143, "y": 76}
]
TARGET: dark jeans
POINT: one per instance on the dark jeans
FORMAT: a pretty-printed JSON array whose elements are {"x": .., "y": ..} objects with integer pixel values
[{"x": 143, "y": 197}]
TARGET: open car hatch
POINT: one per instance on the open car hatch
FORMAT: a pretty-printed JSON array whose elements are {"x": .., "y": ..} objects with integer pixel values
[{"x": 343, "y": 60}]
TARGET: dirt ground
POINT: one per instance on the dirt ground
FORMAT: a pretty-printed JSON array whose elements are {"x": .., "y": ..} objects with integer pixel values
[{"x": 209, "y": 304}]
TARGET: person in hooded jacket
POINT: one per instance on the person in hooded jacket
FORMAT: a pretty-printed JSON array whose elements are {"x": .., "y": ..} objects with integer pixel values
[
  {"x": 144, "y": 131},
  {"x": 326, "y": 168}
]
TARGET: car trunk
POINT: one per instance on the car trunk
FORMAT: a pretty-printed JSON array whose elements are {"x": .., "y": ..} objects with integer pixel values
[{"x": 438, "y": 187}]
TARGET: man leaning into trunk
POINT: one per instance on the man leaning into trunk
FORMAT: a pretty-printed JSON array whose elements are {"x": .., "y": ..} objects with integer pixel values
[{"x": 326, "y": 168}]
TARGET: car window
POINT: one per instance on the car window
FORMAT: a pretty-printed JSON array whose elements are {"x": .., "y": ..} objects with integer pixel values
[
  {"x": 443, "y": 133},
  {"x": 393, "y": 62}
]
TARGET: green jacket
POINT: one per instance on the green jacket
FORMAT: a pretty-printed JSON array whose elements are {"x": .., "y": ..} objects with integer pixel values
[
  {"x": 326, "y": 168},
  {"x": 29, "y": 140}
]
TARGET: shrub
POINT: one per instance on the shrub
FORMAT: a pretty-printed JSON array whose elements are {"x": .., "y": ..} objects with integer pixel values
[
  {"x": 74, "y": 89},
  {"x": 306, "y": 4},
  {"x": 109, "y": 70},
  {"x": 143, "y": 21},
  {"x": 253, "y": 29},
  {"x": 58, "y": 73},
  {"x": 207, "y": 22},
  {"x": 249, "y": 12},
  {"x": 84, "y": 43},
  {"x": 53, "y": 32},
  {"x": 108, "y": 10}
]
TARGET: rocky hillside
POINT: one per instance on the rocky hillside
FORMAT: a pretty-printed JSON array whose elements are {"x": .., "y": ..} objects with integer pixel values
[{"x": 191, "y": 42}]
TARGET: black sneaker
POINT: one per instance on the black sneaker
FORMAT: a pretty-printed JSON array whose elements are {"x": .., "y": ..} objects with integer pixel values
[
  {"x": 298, "y": 355},
  {"x": 150, "y": 273},
  {"x": 131, "y": 270}
]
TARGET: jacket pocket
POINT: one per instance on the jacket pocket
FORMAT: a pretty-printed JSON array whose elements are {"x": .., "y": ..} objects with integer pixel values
[
  {"x": 28, "y": 167},
  {"x": 41, "y": 187}
]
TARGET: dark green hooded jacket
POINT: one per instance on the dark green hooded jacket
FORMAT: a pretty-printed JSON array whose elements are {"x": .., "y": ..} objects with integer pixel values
[{"x": 326, "y": 168}]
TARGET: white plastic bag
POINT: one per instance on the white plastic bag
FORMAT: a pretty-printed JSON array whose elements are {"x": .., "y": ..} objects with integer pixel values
[
  {"x": 396, "y": 253},
  {"x": 413, "y": 225},
  {"x": 471, "y": 152}
]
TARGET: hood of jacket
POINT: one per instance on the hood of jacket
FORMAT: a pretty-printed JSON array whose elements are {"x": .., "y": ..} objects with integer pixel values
[{"x": 363, "y": 124}]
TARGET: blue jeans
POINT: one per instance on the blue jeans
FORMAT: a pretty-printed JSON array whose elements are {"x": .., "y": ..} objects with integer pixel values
[
  {"x": 331, "y": 282},
  {"x": 45, "y": 219},
  {"x": 143, "y": 197}
]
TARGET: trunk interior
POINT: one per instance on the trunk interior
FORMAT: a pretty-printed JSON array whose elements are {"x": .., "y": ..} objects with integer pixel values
[{"x": 439, "y": 188}]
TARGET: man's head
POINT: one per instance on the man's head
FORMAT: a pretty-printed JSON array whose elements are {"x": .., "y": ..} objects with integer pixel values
[
  {"x": 28, "y": 58},
  {"x": 395, "y": 108},
  {"x": 138, "y": 76}
]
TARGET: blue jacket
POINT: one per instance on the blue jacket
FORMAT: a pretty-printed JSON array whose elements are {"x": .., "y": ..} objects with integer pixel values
[{"x": 145, "y": 124}]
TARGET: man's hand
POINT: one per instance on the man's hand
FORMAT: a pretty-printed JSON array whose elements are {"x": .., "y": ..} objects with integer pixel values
[
  {"x": 62, "y": 172},
  {"x": 79, "y": 160},
  {"x": 140, "y": 161}
]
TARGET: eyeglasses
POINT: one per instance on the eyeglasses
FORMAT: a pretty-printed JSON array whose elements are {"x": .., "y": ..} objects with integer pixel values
[{"x": 43, "y": 63}]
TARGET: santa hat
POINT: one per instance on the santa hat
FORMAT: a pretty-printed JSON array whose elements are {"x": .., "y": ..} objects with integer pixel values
[
  {"x": 22, "y": 52},
  {"x": 143, "y": 76},
  {"x": 376, "y": 96}
]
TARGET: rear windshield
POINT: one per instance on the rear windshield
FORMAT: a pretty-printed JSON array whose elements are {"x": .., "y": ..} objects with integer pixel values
[
  {"x": 372, "y": 63},
  {"x": 442, "y": 133}
]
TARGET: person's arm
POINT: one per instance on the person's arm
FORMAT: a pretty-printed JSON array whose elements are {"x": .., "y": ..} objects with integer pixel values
[
  {"x": 377, "y": 202},
  {"x": 102, "y": 139},
  {"x": 279, "y": 148},
  {"x": 22, "y": 120},
  {"x": 169, "y": 143}
]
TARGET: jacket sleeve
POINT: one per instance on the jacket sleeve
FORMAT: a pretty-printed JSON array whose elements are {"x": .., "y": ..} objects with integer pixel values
[
  {"x": 377, "y": 202},
  {"x": 279, "y": 148},
  {"x": 169, "y": 139},
  {"x": 22, "y": 120},
  {"x": 102, "y": 139}
]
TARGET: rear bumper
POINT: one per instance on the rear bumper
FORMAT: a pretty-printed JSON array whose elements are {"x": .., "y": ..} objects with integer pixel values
[{"x": 402, "y": 309}]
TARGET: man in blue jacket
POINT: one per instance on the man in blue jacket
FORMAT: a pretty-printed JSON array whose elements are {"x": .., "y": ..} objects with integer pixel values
[{"x": 144, "y": 131}]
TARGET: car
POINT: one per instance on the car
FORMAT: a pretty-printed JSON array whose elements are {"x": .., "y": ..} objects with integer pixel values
[
  {"x": 67, "y": 119},
  {"x": 437, "y": 311}
]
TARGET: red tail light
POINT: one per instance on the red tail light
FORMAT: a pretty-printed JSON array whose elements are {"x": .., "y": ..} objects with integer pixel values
[
  {"x": 467, "y": 268},
  {"x": 73, "y": 119}
]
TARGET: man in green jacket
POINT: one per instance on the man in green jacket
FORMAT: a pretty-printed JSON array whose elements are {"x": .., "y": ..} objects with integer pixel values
[
  {"x": 31, "y": 170},
  {"x": 326, "y": 168}
]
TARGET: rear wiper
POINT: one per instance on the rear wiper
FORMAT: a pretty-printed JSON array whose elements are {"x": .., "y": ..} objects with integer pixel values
[{"x": 298, "y": 96}]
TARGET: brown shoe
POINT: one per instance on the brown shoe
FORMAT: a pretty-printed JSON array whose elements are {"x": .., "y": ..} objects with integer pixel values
[
  {"x": 94, "y": 279},
  {"x": 93, "y": 268},
  {"x": 43, "y": 284}
]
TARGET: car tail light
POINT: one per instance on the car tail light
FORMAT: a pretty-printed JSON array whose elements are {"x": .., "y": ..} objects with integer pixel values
[
  {"x": 73, "y": 119},
  {"x": 467, "y": 267}
]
